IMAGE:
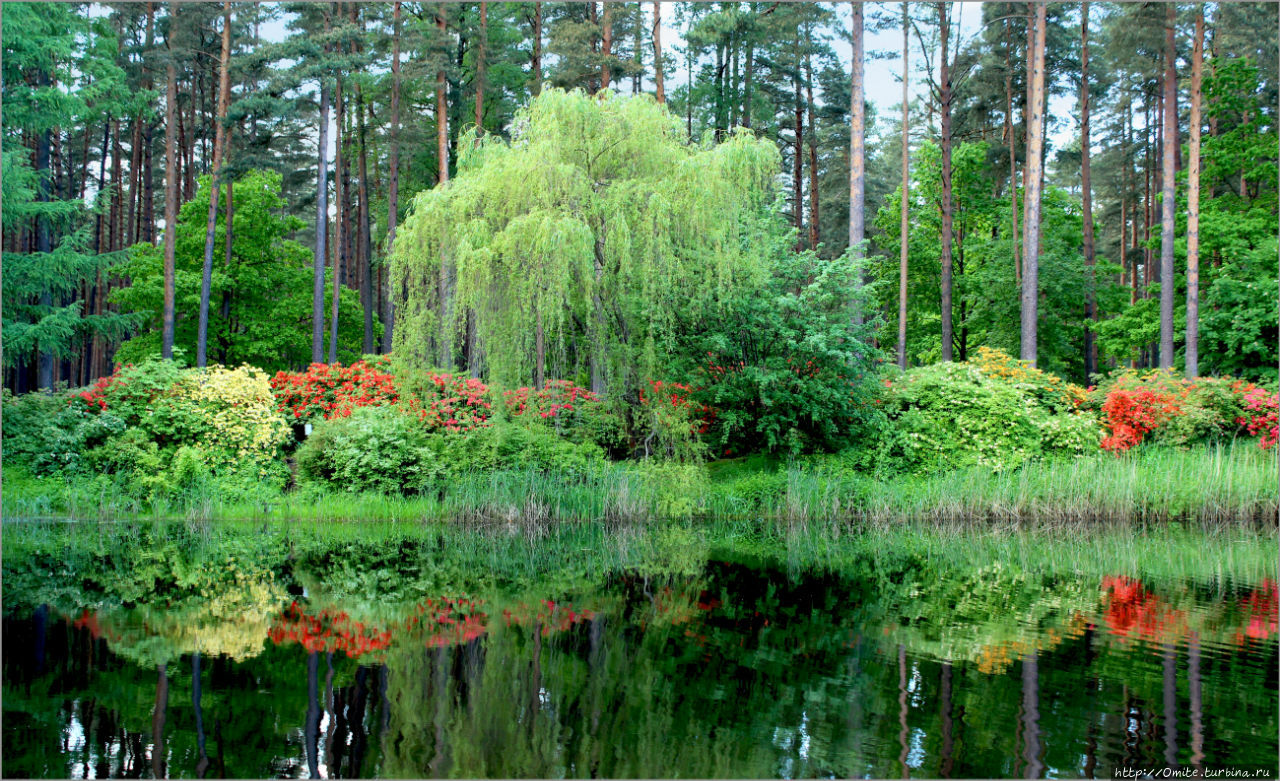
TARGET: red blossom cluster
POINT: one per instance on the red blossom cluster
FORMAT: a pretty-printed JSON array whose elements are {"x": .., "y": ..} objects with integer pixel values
[
  {"x": 1131, "y": 608},
  {"x": 1264, "y": 408},
  {"x": 95, "y": 399},
  {"x": 450, "y": 621},
  {"x": 330, "y": 630},
  {"x": 555, "y": 397},
  {"x": 549, "y": 616},
  {"x": 1131, "y": 414},
  {"x": 452, "y": 403},
  {"x": 1262, "y": 607},
  {"x": 333, "y": 390},
  {"x": 677, "y": 395}
]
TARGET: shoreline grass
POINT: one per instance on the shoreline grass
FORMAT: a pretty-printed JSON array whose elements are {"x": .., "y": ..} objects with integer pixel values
[{"x": 1227, "y": 484}]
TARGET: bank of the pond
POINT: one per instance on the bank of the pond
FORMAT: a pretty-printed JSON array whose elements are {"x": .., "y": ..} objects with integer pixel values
[{"x": 1218, "y": 484}]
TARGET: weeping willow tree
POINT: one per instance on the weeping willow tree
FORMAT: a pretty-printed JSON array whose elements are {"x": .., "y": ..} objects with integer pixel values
[{"x": 570, "y": 249}]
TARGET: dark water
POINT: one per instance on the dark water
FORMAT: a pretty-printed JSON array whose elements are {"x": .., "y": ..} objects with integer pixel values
[{"x": 715, "y": 665}]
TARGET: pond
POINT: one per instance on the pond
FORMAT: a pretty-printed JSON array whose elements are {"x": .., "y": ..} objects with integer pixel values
[{"x": 290, "y": 651}]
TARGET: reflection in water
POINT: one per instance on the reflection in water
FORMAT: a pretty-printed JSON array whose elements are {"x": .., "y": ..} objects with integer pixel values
[{"x": 725, "y": 668}]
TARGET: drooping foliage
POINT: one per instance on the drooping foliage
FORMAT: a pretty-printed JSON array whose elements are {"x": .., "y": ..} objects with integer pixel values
[{"x": 596, "y": 222}]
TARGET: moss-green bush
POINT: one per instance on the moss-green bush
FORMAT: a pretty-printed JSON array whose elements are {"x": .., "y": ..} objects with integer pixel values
[{"x": 953, "y": 415}]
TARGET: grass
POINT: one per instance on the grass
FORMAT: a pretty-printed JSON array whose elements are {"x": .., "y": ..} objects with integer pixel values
[{"x": 1228, "y": 484}]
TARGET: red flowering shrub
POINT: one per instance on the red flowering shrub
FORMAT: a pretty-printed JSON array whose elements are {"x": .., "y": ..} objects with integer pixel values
[
  {"x": 95, "y": 398},
  {"x": 678, "y": 398},
  {"x": 555, "y": 399},
  {"x": 1132, "y": 414},
  {"x": 1262, "y": 413},
  {"x": 451, "y": 403},
  {"x": 333, "y": 390}
]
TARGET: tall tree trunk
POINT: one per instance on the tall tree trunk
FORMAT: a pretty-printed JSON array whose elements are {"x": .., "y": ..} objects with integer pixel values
[
  {"x": 224, "y": 90},
  {"x": 1168, "y": 184},
  {"x": 148, "y": 190},
  {"x": 322, "y": 230},
  {"x": 748, "y": 77},
  {"x": 342, "y": 231},
  {"x": 1010, "y": 139},
  {"x": 170, "y": 193},
  {"x": 1031, "y": 216},
  {"x": 637, "y": 48},
  {"x": 797, "y": 203},
  {"x": 134, "y": 223},
  {"x": 536, "y": 60},
  {"x": 944, "y": 101},
  {"x": 44, "y": 237},
  {"x": 903, "y": 226},
  {"x": 814, "y": 235},
  {"x": 366, "y": 245},
  {"x": 606, "y": 45},
  {"x": 393, "y": 184},
  {"x": 857, "y": 153},
  {"x": 657, "y": 52},
  {"x": 1090, "y": 260},
  {"x": 101, "y": 229},
  {"x": 1193, "y": 203},
  {"x": 481, "y": 46},
  {"x": 442, "y": 176}
]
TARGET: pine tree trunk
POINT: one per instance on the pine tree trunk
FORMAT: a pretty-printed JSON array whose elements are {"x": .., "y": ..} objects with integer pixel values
[
  {"x": 134, "y": 223},
  {"x": 224, "y": 89},
  {"x": 44, "y": 239},
  {"x": 944, "y": 101},
  {"x": 797, "y": 203},
  {"x": 749, "y": 67},
  {"x": 1011, "y": 141},
  {"x": 442, "y": 176},
  {"x": 148, "y": 190},
  {"x": 1167, "y": 183},
  {"x": 170, "y": 195},
  {"x": 606, "y": 45},
  {"x": 659, "y": 92},
  {"x": 1193, "y": 203},
  {"x": 366, "y": 245},
  {"x": 1031, "y": 218},
  {"x": 393, "y": 184},
  {"x": 903, "y": 226},
  {"x": 1090, "y": 260},
  {"x": 857, "y": 153},
  {"x": 481, "y": 46},
  {"x": 536, "y": 59},
  {"x": 322, "y": 230},
  {"x": 814, "y": 235},
  {"x": 341, "y": 187}
]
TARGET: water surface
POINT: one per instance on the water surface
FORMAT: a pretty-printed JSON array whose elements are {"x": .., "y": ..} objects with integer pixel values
[{"x": 414, "y": 657}]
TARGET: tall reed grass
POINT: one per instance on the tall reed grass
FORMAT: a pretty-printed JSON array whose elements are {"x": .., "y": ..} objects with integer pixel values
[{"x": 1217, "y": 485}]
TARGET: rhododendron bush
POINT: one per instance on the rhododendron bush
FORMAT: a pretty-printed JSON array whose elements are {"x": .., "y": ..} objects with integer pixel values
[
  {"x": 1162, "y": 407},
  {"x": 332, "y": 390}
]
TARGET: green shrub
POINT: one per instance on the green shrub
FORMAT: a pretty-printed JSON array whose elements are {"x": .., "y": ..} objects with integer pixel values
[
  {"x": 49, "y": 434},
  {"x": 383, "y": 449},
  {"x": 953, "y": 415},
  {"x": 516, "y": 446},
  {"x": 375, "y": 449}
]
